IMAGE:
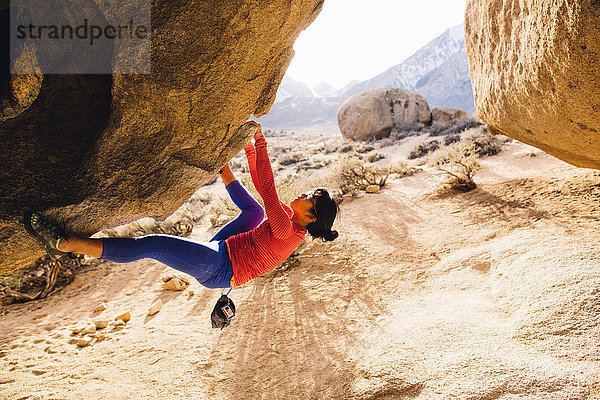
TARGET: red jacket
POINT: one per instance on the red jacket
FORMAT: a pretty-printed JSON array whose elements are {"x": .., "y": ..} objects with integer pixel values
[{"x": 258, "y": 251}]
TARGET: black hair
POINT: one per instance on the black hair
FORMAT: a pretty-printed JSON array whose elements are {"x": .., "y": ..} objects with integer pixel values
[{"x": 325, "y": 210}]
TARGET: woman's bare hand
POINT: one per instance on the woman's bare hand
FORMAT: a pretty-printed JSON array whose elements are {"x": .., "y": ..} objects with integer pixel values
[
  {"x": 258, "y": 133},
  {"x": 258, "y": 130}
]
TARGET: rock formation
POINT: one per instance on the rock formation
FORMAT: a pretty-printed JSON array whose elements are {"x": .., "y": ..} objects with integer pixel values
[
  {"x": 94, "y": 151},
  {"x": 373, "y": 114},
  {"x": 446, "y": 114},
  {"x": 534, "y": 68}
]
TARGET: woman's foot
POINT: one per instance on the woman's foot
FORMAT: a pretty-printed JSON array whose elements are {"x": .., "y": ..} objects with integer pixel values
[{"x": 47, "y": 233}]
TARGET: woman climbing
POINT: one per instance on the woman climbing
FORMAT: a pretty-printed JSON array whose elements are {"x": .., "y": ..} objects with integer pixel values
[{"x": 244, "y": 249}]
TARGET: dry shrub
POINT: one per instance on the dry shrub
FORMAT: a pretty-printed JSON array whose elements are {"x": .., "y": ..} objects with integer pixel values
[
  {"x": 424, "y": 149},
  {"x": 457, "y": 165},
  {"x": 177, "y": 225},
  {"x": 362, "y": 148},
  {"x": 222, "y": 212},
  {"x": 180, "y": 223},
  {"x": 374, "y": 157},
  {"x": 455, "y": 126},
  {"x": 453, "y": 138},
  {"x": 350, "y": 174},
  {"x": 291, "y": 158},
  {"x": 487, "y": 144},
  {"x": 401, "y": 168},
  {"x": 345, "y": 148}
]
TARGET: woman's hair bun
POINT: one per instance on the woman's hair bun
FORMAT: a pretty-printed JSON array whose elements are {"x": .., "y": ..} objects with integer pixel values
[{"x": 330, "y": 236}]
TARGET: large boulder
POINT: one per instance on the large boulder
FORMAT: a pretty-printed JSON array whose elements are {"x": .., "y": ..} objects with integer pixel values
[
  {"x": 374, "y": 113},
  {"x": 95, "y": 151},
  {"x": 446, "y": 114},
  {"x": 535, "y": 68}
]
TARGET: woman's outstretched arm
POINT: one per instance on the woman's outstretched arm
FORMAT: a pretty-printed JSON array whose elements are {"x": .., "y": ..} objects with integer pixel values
[
  {"x": 251, "y": 157},
  {"x": 281, "y": 225}
]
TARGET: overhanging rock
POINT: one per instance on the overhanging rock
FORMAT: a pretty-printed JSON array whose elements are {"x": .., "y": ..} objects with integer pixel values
[{"x": 95, "y": 151}]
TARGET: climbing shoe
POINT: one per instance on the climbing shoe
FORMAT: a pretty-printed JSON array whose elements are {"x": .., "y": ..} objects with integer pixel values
[{"x": 47, "y": 233}]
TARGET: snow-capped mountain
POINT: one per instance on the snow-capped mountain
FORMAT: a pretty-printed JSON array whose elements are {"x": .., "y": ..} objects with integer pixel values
[
  {"x": 449, "y": 84},
  {"x": 439, "y": 72},
  {"x": 324, "y": 89},
  {"x": 291, "y": 88},
  {"x": 408, "y": 74}
]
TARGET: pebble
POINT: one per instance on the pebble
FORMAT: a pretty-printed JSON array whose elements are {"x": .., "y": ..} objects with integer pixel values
[
  {"x": 372, "y": 189},
  {"x": 101, "y": 307},
  {"x": 181, "y": 278},
  {"x": 84, "y": 341},
  {"x": 78, "y": 281},
  {"x": 79, "y": 328},
  {"x": 126, "y": 316},
  {"x": 174, "y": 284},
  {"x": 90, "y": 328},
  {"x": 101, "y": 323},
  {"x": 118, "y": 323},
  {"x": 155, "y": 307}
]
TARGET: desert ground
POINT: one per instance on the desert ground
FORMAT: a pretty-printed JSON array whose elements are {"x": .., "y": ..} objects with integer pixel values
[{"x": 488, "y": 294}]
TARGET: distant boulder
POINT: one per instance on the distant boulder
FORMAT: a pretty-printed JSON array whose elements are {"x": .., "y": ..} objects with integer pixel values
[
  {"x": 373, "y": 114},
  {"x": 446, "y": 114}
]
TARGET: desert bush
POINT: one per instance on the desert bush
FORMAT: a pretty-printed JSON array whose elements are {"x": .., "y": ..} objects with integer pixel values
[
  {"x": 457, "y": 165},
  {"x": 312, "y": 164},
  {"x": 374, "y": 156},
  {"x": 345, "y": 148},
  {"x": 40, "y": 279},
  {"x": 401, "y": 168},
  {"x": 451, "y": 127},
  {"x": 453, "y": 138},
  {"x": 351, "y": 174},
  {"x": 222, "y": 212},
  {"x": 405, "y": 128},
  {"x": 334, "y": 146},
  {"x": 290, "y": 158},
  {"x": 363, "y": 148},
  {"x": 487, "y": 144},
  {"x": 438, "y": 128},
  {"x": 423, "y": 149},
  {"x": 180, "y": 223}
]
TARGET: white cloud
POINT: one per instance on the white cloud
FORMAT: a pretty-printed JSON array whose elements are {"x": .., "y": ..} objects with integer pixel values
[{"x": 357, "y": 39}]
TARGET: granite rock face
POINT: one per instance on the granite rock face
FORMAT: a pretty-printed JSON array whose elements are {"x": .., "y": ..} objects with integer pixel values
[
  {"x": 95, "y": 151},
  {"x": 373, "y": 114},
  {"x": 534, "y": 68}
]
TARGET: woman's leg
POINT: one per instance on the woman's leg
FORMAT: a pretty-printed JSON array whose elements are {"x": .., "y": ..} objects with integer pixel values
[
  {"x": 207, "y": 262},
  {"x": 251, "y": 216},
  {"x": 200, "y": 260}
]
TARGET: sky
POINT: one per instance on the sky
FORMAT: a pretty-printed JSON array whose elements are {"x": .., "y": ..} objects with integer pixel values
[{"x": 358, "y": 39}]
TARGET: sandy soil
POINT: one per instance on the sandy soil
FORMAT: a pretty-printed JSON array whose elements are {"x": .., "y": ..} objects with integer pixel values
[{"x": 492, "y": 294}]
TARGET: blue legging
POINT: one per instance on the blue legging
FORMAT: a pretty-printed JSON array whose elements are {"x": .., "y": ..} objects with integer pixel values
[{"x": 208, "y": 262}]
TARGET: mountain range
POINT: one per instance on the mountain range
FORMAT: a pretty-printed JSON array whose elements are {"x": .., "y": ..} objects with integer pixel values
[{"x": 439, "y": 72}]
